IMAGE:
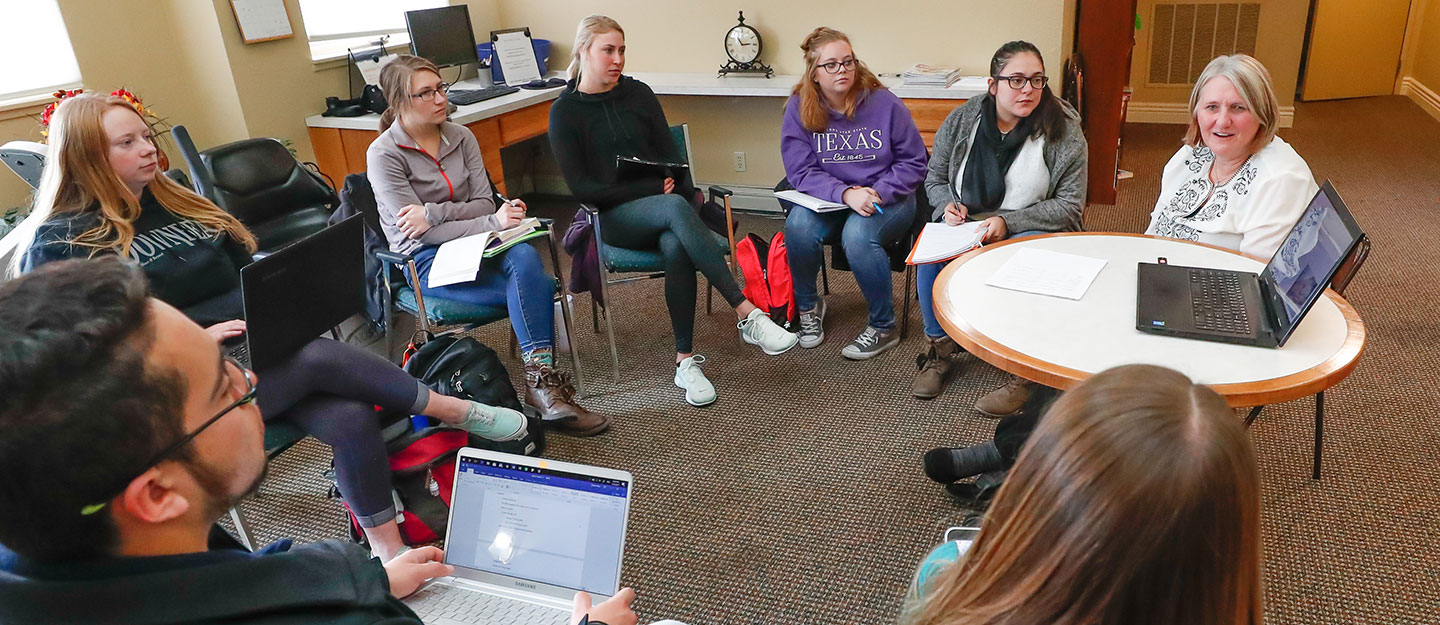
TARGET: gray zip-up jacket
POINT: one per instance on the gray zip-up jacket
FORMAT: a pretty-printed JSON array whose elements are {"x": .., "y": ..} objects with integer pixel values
[
  {"x": 1066, "y": 159},
  {"x": 453, "y": 187}
]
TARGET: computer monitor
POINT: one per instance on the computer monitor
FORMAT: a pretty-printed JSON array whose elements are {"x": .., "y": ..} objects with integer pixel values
[{"x": 442, "y": 35}]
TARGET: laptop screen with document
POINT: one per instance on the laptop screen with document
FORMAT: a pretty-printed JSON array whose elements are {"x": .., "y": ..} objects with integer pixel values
[
  {"x": 538, "y": 524},
  {"x": 1306, "y": 262}
]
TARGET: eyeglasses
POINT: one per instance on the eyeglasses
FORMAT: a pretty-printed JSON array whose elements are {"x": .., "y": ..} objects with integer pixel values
[
  {"x": 834, "y": 67},
  {"x": 247, "y": 398},
  {"x": 1017, "y": 82},
  {"x": 429, "y": 94}
]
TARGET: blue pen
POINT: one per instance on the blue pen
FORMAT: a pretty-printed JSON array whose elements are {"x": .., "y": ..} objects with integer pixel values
[{"x": 877, "y": 208}]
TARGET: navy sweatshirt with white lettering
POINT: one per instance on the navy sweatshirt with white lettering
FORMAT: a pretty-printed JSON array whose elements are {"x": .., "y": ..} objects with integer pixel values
[
  {"x": 879, "y": 148},
  {"x": 189, "y": 266}
]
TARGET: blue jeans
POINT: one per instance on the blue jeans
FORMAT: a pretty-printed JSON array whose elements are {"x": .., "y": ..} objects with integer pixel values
[
  {"x": 863, "y": 239},
  {"x": 516, "y": 280},
  {"x": 925, "y": 283}
]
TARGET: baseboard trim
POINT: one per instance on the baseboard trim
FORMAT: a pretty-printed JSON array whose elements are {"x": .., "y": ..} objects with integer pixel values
[
  {"x": 1173, "y": 113},
  {"x": 1421, "y": 95}
]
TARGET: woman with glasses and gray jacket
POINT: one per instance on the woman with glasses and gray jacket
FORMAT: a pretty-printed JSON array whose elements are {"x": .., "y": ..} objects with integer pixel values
[{"x": 1015, "y": 159}]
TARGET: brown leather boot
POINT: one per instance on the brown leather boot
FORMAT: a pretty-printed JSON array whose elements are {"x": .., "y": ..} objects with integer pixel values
[
  {"x": 1006, "y": 400},
  {"x": 935, "y": 366},
  {"x": 550, "y": 392}
]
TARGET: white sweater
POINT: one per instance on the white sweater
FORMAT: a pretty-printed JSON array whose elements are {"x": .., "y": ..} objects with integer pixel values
[{"x": 1251, "y": 213}]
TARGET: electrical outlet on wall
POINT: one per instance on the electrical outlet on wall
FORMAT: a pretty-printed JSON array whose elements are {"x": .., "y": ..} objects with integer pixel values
[{"x": 739, "y": 161}]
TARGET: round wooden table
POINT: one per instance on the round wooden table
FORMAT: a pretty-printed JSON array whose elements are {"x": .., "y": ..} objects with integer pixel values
[{"x": 1059, "y": 342}]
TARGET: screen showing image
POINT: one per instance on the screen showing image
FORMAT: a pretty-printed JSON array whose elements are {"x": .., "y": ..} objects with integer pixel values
[
  {"x": 1302, "y": 267},
  {"x": 541, "y": 525},
  {"x": 442, "y": 35}
]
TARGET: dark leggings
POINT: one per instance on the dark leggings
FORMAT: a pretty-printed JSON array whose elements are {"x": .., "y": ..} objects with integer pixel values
[
  {"x": 1011, "y": 433},
  {"x": 671, "y": 224},
  {"x": 330, "y": 389}
]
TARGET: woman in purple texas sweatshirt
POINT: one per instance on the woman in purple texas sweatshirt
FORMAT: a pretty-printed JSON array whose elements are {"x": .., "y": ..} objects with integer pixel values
[{"x": 847, "y": 139}]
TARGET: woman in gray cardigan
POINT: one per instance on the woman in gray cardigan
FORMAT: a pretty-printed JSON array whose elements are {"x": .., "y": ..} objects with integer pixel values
[
  {"x": 1016, "y": 159},
  {"x": 431, "y": 187}
]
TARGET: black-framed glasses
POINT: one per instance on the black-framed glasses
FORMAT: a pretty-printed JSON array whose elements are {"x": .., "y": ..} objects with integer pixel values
[
  {"x": 429, "y": 94},
  {"x": 834, "y": 67},
  {"x": 247, "y": 398},
  {"x": 1017, "y": 82}
]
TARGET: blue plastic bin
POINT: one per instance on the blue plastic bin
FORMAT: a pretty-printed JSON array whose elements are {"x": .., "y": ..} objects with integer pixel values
[{"x": 542, "y": 56}]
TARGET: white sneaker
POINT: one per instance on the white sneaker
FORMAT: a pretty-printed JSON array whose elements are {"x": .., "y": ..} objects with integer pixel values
[
  {"x": 698, "y": 390},
  {"x": 757, "y": 329}
]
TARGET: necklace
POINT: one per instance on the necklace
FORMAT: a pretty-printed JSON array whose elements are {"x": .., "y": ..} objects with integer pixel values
[{"x": 1221, "y": 183}]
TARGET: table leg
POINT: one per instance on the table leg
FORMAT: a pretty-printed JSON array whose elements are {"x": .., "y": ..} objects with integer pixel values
[
  {"x": 1319, "y": 433},
  {"x": 1254, "y": 412}
]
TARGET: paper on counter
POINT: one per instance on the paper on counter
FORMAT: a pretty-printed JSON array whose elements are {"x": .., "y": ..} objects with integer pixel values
[
  {"x": 370, "y": 70},
  {"x": 516, "y": 55},
  {"x": 1044, "y": 272}
]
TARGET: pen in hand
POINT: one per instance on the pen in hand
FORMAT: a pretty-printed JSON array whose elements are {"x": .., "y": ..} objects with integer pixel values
[{"x": 877, "y": 208}]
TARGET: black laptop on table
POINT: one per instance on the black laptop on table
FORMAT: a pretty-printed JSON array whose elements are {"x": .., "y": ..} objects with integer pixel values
[
  {"x": 1246, "y": 308},
  {"x": 300, "y": 292}
]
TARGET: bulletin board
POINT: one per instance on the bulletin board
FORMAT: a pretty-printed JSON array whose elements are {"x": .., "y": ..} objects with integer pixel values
[{"x": 262, "y": 20}]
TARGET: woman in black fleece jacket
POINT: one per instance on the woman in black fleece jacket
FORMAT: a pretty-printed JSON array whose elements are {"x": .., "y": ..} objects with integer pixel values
[{"x": 602, "y": 115}]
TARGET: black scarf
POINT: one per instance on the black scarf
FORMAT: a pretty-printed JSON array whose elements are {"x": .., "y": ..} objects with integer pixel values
[{"x": 983, "y": 186}]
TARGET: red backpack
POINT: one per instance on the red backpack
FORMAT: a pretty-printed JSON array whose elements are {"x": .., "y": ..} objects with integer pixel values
[{"x": 767, "y": 276}]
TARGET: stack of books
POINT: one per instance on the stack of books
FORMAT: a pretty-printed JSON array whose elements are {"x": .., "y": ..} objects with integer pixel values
[{"x": 922, "y": 75}]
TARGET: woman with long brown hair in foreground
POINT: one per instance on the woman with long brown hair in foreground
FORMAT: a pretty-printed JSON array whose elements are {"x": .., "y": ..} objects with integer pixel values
[{"x": 1136, "y": 500}]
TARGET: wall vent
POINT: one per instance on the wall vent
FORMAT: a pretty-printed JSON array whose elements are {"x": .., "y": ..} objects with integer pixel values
[{"x": 1184, "y": 37}]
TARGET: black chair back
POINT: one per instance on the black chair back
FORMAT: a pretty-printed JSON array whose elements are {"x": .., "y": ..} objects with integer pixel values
[{"x": 262, "y": 185}]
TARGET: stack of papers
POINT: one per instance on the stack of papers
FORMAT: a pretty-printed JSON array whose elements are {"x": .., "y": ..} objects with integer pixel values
[
  {"x": 809, "y": 201},
  {"x": 1044, "y": 272},
  {"x": 922, "y": 75},
  {"x": 459, "y": 260},
  {"x": 940, "y": 242}
]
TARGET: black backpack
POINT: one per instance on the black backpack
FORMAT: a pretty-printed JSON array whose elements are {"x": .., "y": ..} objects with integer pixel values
[{"x": 460, "y": 366}]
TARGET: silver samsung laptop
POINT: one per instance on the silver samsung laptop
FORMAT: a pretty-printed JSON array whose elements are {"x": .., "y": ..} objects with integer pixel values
[{"x": 525, "y": 534}]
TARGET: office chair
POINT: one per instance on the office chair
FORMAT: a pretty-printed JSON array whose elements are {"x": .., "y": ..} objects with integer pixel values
[
  {"x": 1348, "y": 268},
  {"x": 401, "y": 282},
  {"x": 649, "y": 263},
  {"x": 898, "y": 251},
  {"x": 262, "y": 185}
]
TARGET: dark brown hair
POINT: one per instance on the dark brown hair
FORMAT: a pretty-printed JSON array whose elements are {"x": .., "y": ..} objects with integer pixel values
[
  {"x": 1049, "y": 113},
  {"x": 1137, "y": 500},
  {"x": 813, "y": 113},
  {"x": 395, "y": 84}
]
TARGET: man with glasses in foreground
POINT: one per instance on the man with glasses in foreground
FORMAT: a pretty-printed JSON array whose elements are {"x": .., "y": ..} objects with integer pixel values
[{"x": 124, "y": 434}]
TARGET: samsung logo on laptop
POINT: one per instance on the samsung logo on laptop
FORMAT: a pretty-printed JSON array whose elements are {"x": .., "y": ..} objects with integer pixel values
[{"x": 525, "y": 585}]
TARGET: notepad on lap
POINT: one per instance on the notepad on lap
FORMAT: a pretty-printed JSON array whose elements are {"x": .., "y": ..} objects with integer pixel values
[
  {"x": 459, "y": 260},
  {"x": 940, "y": 242},
  {"x": 1044, "y": 272},
  {"x": 809, "y": 201}
]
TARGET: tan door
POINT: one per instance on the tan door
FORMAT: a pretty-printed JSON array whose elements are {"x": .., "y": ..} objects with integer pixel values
[{"x": 1354, "y": 48}]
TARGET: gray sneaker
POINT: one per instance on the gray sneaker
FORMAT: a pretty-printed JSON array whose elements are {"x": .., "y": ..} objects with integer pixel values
[
  {"x": 812, "y": 326},
  {"x": 871, "y": 343}
]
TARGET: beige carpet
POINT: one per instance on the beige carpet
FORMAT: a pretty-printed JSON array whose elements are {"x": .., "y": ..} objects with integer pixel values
[{"x": 798, "y": 497}]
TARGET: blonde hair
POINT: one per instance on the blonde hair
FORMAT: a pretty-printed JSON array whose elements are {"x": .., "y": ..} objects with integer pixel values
[
  {"x": 1136, "y": 500},
  {"x": 395, "y": 84},
  {"x": 78, "y": 178},
  {"x": 585, "y": 34},
  {"x": 1252, "y": 82},
  {"x": 813, "y": 113}
]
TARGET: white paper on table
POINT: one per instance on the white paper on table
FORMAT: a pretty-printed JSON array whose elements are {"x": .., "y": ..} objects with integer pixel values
[
  {"x": 979, "y": 83},
  {"x": 370, "y": 70},
  {"x": 1044, "y": 272},
  {"x": 940, "y": 241},
  {"x": 458, "y": 260},
  {"x": 809, "y": 201},
  {"x": 517, "y": 58}
]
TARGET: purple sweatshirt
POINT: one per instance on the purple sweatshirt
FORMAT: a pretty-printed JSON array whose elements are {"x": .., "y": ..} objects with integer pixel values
[{"x": 880, "y": 148}]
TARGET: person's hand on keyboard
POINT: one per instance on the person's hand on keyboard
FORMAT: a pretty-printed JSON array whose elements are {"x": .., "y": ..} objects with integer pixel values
[
  {"x": 226, "y": 330},
  {"x": 412, "y": 568},
  {"x": 614, "y": 611}
]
